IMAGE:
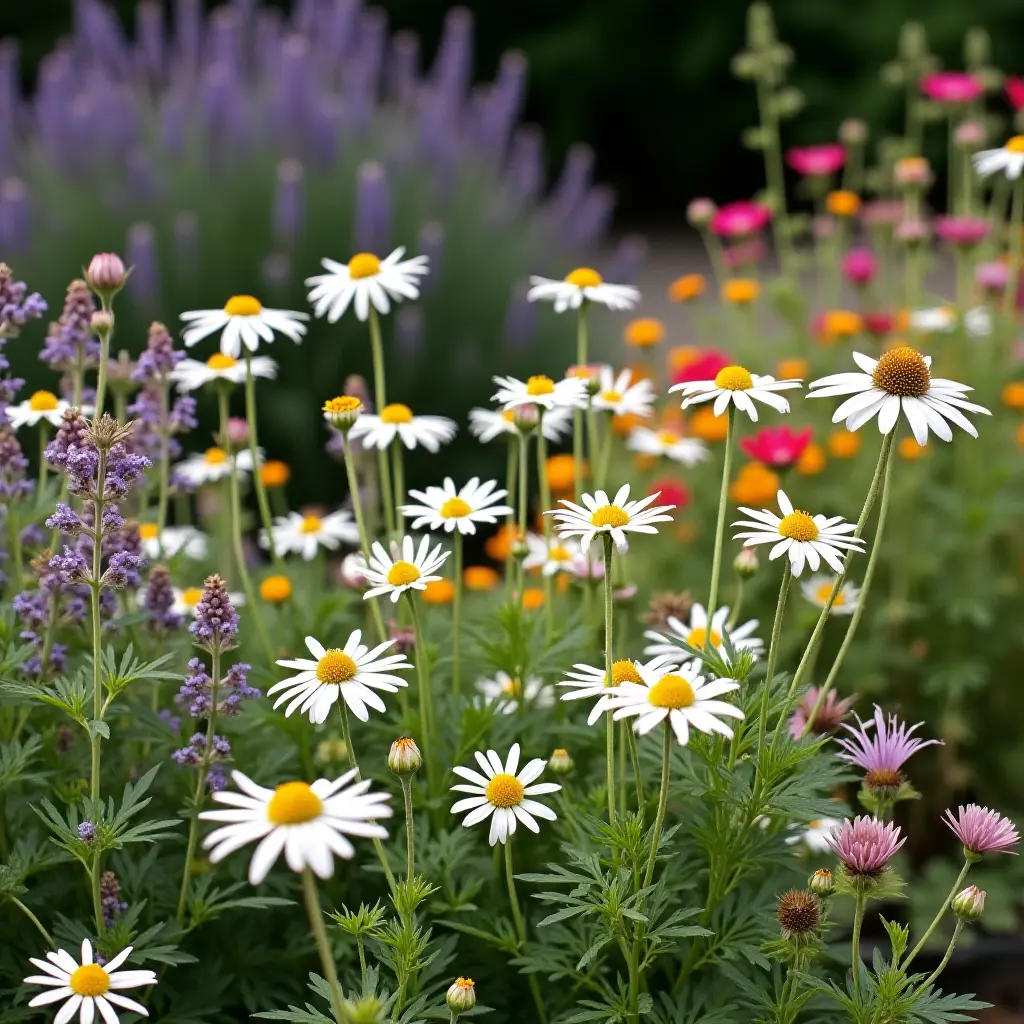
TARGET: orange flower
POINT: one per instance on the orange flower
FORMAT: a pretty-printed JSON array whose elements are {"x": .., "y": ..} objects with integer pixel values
[
  {"x": 439, "y": 592},
  {"x": 533, "y": 598},
  {"x": 687, "y": 288},
  {"x": 480, "y": 577},
  {"x": 839, "y": 324},
  {"x": 644, "y": 463},
  {"x": 561, "y": 473},
  {"x": 275, "y": 473},
  {"x": 1020, "y": 435},
  {"x": 499, "y": 547},
  {"x": 707, "y": 426},
  {"x": 1013, "y": 395},
  {"x": 793, "y": 369},
  {"x": 811, "y": 461},
  {"x": 276, "y": 589},
  {"x": 909, "y": 449},
  {"x": 640, "y": 371},
  {"x": 844, "y": 444},
  {"x": 842, "y": 203},
  {"x": 644, "y": 332},
  {"x": 680, "y": 356},
  {"x": 686, "y": 533},
  {"x": 740, "y": 291},
  {"x": 625, "y": 425},
  {"x": 755, "y": 484}
]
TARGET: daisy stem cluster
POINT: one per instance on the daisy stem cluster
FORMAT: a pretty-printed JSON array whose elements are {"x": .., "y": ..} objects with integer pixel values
[{"x": 315, "y": 913}]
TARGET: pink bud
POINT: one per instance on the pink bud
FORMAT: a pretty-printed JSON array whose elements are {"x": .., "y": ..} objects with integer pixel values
[
  {"x": 106, "y": 273},
  {"x": 859, "y": 266},
  {"x": 238, "y": 430},
  {"x": 700, "y": 211},
  {"x": 102, "y": 322}
]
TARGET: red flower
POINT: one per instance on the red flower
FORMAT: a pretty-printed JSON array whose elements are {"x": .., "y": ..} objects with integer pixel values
[
  {"x": 671, "y": 492},
  {"x": 778, "y": 447},
  {"x": 878, "y": 322},
  {"x": 704, "y": 367},
  {"x": 1015, "y": 91}
]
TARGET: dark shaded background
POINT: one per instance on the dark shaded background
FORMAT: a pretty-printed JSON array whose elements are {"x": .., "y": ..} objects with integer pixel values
[{"x": 647, "y": 82}]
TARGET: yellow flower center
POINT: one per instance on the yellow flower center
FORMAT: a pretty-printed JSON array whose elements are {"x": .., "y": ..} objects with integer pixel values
[
  {"x": 148, "y": 531},
  {"x": 335, "y": 667},
  {"x": 363, "y": 264},
  {"x": 311, "y": 524},
  {"x": 293, "y": 803},
  {"x": 540, "y": 385},
  {"x": 243, "y": 305},
  {"x": 822, "y": 594},
  {"x": 902, "y": 371},
  {"x": 509, "y": 415},
  {"x": 401, "y": 574},
  {"x": 612, "y": 396},
  {"x": 455, "y": 508},
  {"x": 734, "y": 378},
  {"x": 609, "y": 515},
  {"x": 798, "y": 526},
  {"x": 464, "y": 983},
  {"x": 191, "y": 596},
  {"x": 219, "y": 361},
  {"x": 625, "y": 672},
  {"x": 699, "y": 637},
  {"x": 668, "y": 437},
  {"x": 342, "y": 405},
  {"x": 671, "y": 691},
  {"x": 89, "y": 980},
  {"x": 215, "y": 456},
  {"x": 43, "y": 401},
  {"x": 584, "y": 277},
  {"x": 513, "y": 688},
  {"x": 505, "y": 791},
  {"x": 1016, "y": 144},
  {"x": 396, "y": 413},
  {"x": 815, "y": 824},
  {"x": 559, "y": 554}
]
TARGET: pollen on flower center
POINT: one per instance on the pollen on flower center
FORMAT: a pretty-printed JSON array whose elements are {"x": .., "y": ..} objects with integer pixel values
[
  {"x": 668, "y": 437},
  {"x": 513, "y": 688},
  {"x": 363, "y": 264},
  {"x": 403, "y": 573},
  {"x": 822, "y": 594},
  {"x": 584, "y": 277},
  {"x": 884, "y": 778},
  {"x": 625, "y": 672},
  {"x": 311, "y": 524},
  {"x": 396, "y": 413},
  {"x": 671, "y": 691},
  {"x": 609, "y": 515},
  {"x": 611, "y": 396},
  {"x": 734, "y": 378},
  {"x": 148, "y": 531},
  {"x": 191, "y": 596},
  {"x": 559, "y": 554},
  {"x": 215, "y": 456},
  {"x": 335, "y": 667},
  {"x": 540, "y": 385},
  {"x": 505, "y": 791},
  {"x": 798, "y": 526},
  {"x": 1016, "y": 144},
  {"x": 342, "y": 404},
  {"x": 902, "y": 371},
  {"x": 89, "y": 980},
  {"x": 293, "y": 803},
  {"x": 699, "y": 637},
  {"x": 243, "y": 305},
  {"x": 455, "y": 508},
  {"x": 43, "y": 401},
  {"x": 219, "y": 361}
]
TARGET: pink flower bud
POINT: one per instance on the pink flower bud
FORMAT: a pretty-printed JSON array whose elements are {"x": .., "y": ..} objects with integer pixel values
[
  {"x": 106, "y": 273},
  {"x": 238, "y": 430},
  {"x": 859, "y": 266},
  {"x": 700, "y": 211},
  {"x": 969, "y": 904},
  {"x": 102, "y": 322}
]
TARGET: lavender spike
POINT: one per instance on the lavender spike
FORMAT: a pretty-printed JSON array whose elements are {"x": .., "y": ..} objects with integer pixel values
[
  {"x": 372, "y": 231},
  {"x": 288, "y": 202},
  {"x": 431, "y": 243},
  {"x": 141, "y": 252},
  {"x": 404, "y": 68},
  {"x": 628, "y": 258}
]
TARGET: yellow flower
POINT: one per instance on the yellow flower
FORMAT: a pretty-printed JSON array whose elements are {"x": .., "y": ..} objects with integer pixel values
[
  {"x": 909, "y": 449},
  {"x": 275, "y": 473},
  {"x": 480, "y": 577},
  {"x": 644, "y": 332},
  {"x": 839, "y": 324},
  {"x": 812, "y": 460},
  {"x": 440, "y": 591},
  {"x": 842, "y": 203},
  {"x": 707, "y": 426},
  {"x": 1013, "y": 395},
  {"x": 844, "y": 444},
  {"x": 687, "y": 288},
  {"x": 625, "y": 424},
  {"x": 276, "y": 589},
  {"x": 644, "y": 463},
  {"x": 793, "y": 369},
  {"x": 740, "y": 291},
  {"x": 755, "y": 484}
]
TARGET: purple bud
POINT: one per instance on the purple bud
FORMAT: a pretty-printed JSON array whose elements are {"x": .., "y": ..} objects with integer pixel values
[
  {"x": 106, "y": 273},
  {"x": 215, "y": 620}
]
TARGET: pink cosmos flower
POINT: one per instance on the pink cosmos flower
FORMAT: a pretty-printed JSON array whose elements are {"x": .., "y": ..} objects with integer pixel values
[
  {"x": 951, "y": 87},
  {"x": 883, "y": 753},
  {"x": 962, "y": 231},
  {"x": 778, "y": 447},
  {"x": 981, "y": 830},
  {"x": 816, "y": 160},
  {"x": 704, "y": 367},
  {"x": 740, "y": 218},
  {"x": 859, "y": 266},
  {"x": 865, "y": 845},
  {"x": 1014, "y": 86}
]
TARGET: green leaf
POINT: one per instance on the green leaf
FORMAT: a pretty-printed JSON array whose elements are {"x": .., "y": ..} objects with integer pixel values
[{"x": 98, "y": 728}]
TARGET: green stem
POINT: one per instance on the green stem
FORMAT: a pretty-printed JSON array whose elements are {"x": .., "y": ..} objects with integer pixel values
[
  {"x": 97, "y": 899},
  {"x": 457, "y": 615},
  {"x": 97, "y": 652},
  {"x": 606, "y": 452},
  {"x": 101, "y": 377},
  {"x": 398, "y": 475},
  {"x": 774, "y": 173},
  {"x": 773, "y": 653},
  {"x": 938, "y": 917},
  {"x": 1016, "y": 225},
  {"x": 164, "y": 485},
  {"x": 35, "y": 920},
  {"x": 410, "y": 856},
  {"x": 545, "y": 506},
  {"x": 517, "y": 917},
  {"x": 577, "y": 415},
  {"x": 723, "y": 499},
  {"x": 945, "y": 960},
  {"x": 510, "y": 486},
  {"x": 635, "y": 762},
  {"x": 254, "y": 450},
  {"x": 364, "y": 537},
  {"x": 425, "y": 697},
  {"x": 362, "y": 959},
  {"x": 522, "y": 498},
  {"x": 380, "y": 400},
  {"x": 608, "y": 621},
  {"x": 858, "y": 920},
  {"x": 659, "y": 821},
  {"x": 316, "y": 922}
]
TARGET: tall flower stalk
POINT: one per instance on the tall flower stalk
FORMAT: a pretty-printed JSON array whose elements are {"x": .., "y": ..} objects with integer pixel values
[
  {"x": 577, "y": 414},
  {"x": 254, "y": 449},
  {"x": 723, "y": 500}
]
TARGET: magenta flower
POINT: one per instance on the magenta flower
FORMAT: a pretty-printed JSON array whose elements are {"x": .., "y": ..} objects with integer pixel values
[
  {"x": 778, "y": 447},
  {"x": 865, "y": 845},
  {"x": 859, "y": 266},
  {"x": 951, "y": 87},
  {"x": 962, "y": 231},
  {"x": 982, "y": 831},
  {"x": 992, "y": 276},
  {"x": 884, "y": 753},
  {"x": 816, "y": 160},
  {"x": 830, "y": 716},
  {"x": 740, "y": 218}
]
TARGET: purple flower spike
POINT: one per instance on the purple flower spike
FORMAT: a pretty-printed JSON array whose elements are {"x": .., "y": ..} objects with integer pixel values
[
  {"x": 982, "y": 830},
  {"x": 883, "y": 754},
  {"x": 215, "y": 620},
  {"x": 865, "y": 845}
]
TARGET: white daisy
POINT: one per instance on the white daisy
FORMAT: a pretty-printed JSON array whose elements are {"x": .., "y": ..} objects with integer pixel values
[
  {"x": 551, "y": 556},
  {"x": 305, "y": 535},
  {"x": 397, "y": 420},
  {"x": 739, "y": 386},
  {"x": 621, "y": 395},
  {"x": 817, "y": 589},
  {"x": 695, "y": 633},
  {"x": 567, "y": 393},
  {"x": 1008, "y": 159},
  {"x": 350, "y": 673},
  {"x": 87, "y": 987},
  {"x": 392, "y": 575},
  {"x": 687, "y": 451},
  {"x": 677, "y": 694},
  {"x": 243, "y": 321},
  {"x": 815, "y": 835},
  {"x": 487, "y": 424},
  {"x": 510, "y": 693},
  {"x": 175, "y": 540},
  {"x": 445, "y": 508},
  {"x": 212, "y": 465},
  {"x": 186, "y": 601},
  {"x": 308, "y": 822},
  {"x": 934, "y": 320},
  {"x": 802, "y": 537},
  {"x": 500, "y": 792},
  {"x": 42, "y": 405},
  {"x": 363, "y": 280},
  {"x": 978, "y": 322},
  {"x": 617, "y": 517},
  {"x": 191, "y": 374},
  {"x": 587, "y": 681},
  {"x": 582, "y": 285},
  {"x": 900, "y": 379}
]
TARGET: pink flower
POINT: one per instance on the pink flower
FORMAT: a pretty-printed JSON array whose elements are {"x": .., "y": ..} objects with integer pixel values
[
  {"x": 882, "y": 753},
  {"x": 830, "y": 716},
  {"x": 913, "y": 231},
  {"x": 882, "y": 212},
  {"x": 816, "y": 160},
  {"x": 700, "y": 211},
  {"x": 965, "y": 231},
  {"x": 778, "y": 447},
  {"x": 1015, "y": 91},
  {"x": 671, "y": 492},
  {"x": 992, "y": 276},
  {"x": 238, "y": 430},
  {"x": 740, "y": 218},
  {"x": 865, "y": 845},
  {"x": 704, "y": 367},
  {"x": 106, "y": 272},
  {"x": 951, "y": 87},
  {"x": 981, "y": 830},
  {"x": 859, "y": 266},
  {"x": 744, "y": 254}
]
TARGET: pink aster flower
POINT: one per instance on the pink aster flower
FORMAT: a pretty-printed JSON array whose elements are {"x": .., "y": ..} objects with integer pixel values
[
  {"x": 883, "y": 753},
  {"x": 704, "y": 367},
  {"x": 962, "y": 231},
  {"x": 981, "y": 830},
  {"x": 778, "y": 447},
  {"x": 865, "y": 845},
  {"x": 951, "y": 87},
  {"x": 859, "y": 266},
  {"x": 829, "y": 717},
  {"x": 878, "y": 322},
  {"x": 992, "y": 276},
  {"x": 816, "y": 160},
  {"x": 1014, "y": 87},
  {"x": 740, "y": 218}
]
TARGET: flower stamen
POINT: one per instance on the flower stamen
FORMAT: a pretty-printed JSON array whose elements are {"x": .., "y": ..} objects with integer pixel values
[
  {"x": 243, "y": 305},
  {"x": 401, "y": 574},
  {"x": 671, "y": 691},
  {"x": 293, "y": 803},
  {"x": 335, "y": 667},
  {"x": 609, "y": 515},
  {"x": 505, "y": 791},
  {"x": 902, "y": 371},
  {"x": 734, "y": 378},
  {"x": 798, "y": 526}
]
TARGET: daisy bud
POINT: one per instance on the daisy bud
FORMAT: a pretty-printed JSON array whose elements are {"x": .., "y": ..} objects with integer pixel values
[
  {"x": 525, "y": 417},
  {"x": 342, "y": 411},
  {"x": 746, "y": 563},
  {"x": 520, "y": 549},
  {"x": 700, "y": 211},
  {"x": 560, "y": 762},
  {"x": 238, "y": 431},
  {"x": 461, "y": 996},
  {"x": 798, "y": 913},
  {"x": 102, "y": 323},
  {"x": 970, "y": 135},
  {"x": 969, "y": 905},
  {"x": 368, "y": 1010},
  {"x": 853, "y": 132},
  {"x": 106, "y": 274},
  {"x": 405, "y": 757},
  {"x": 821, "y": 883}
]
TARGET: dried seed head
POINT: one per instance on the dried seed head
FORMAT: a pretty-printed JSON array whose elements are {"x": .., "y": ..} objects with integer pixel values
[{"x": 798, "y": 912}]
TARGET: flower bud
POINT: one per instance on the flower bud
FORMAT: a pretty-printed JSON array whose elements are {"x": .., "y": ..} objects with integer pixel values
[
  {"x": 700, "y": 211},
  {"x": 368, "y": 1010},
  {"x": 405, "y": 757},
  {"x": 102, "y": 323},
  {"x": 461, "y": 996},
  {"x": 106, "y": 274},
  {"x": 525, "y": 417},
  {"x": 343, "y": 411},
  {"x": 821, "y": 883},
  {"x": 625, "y": 596},
  {"x": 520, "y": 549},
  {"x": 853, "y": 132},
  {"x": 969, "y": 904},
  {"x": 970, "y": 135},
  {"x": 332, "y": 751},
  {"x": 560, "y": 762},
  {"x": 746, "y": 563},
  {"x": 912, "y": 171},
  {"x": 238, "y": 431}
]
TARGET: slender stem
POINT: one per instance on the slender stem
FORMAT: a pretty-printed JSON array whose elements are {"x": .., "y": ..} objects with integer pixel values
[
  {"x": 523, "y": 499},
  {"x": 97, "y": 898},
  {"x": 659, "y": 821},
  {"x": 78, "y": 378},
  {"x": 94, "y": 603},
  {"x": 635, "y": 762},
  {"x": 254, "y": 450},
  {"x": 858, "y": 920},
  {"x": 510, "y": 486},
  {"x": 945, "y": 960},
  {"x": 517, "y": 917},
  {"x": 101, "y": 377},
  {"x": 723, "y": 499},
  {"x": 601, "y": 478},
  {"x": 457, "y": 615},
  {"x": 545, "y": 506},
  {"x": 323, "y": 945},
  {"x": 35, "y": 920},
  {"x": 398, "y": 475},
  {"x": 773, "y": 653},
  {"x": 1016, "y": 226},
  {"x": 425, "y": 697},
  {"x": 608, "y": 625},
  {"x": 410, "y": 857},
  {"x": 380, "y": 400},
  {"x": 362, "y": 958},
  {"x": 164, "y": 484},
  {"x": 364, "y": 537},
  {"x": 577, "y": 415},
  {"x": 938, "y": 917}
]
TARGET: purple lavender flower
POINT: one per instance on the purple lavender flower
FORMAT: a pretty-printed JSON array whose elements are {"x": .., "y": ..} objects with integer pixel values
[
  {"x": 216, "y": 778},
  {"x": 123, "y": 469},
  {"x": 70, "y": 339},
  {"x": 87, "y": 831},
  {"x": 66, "y": 520},
  {"x": 215, "y": 620},
  {"x": 170, "y": 719},
  {"x": 865, "y": 845},
  {"x": 982, "y": 831},
  {"x": 882, "y": 755},
  {"x": 16, "y": 306},
  {"x": 194, "y": 692},
  {"x": 237, "y": 687},
  {"x": 829, "y": 717},
  {"x": 71, "y": 566},
  {"x": 183, "y": 415},
  {"x": 111, "y": 903},
  {"x": 123, "y": 570},
  {"x": 13, "y": 464},
  {"x": 70, "y": 434},
  {"x": 159, "y": 600}
]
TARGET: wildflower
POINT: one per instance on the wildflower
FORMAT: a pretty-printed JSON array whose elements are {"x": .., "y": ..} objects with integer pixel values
[
  {"x": 700, "y": 211},
  {"x": 746, "y": 563},
  {"x": 953, "y": 87},
  {"x": 186, "y": 601},
  {"x": 351, "y": 674},
  {"x": 405, "y": 758},
  {"x": 461, "y": 996},
  {"x": 844, "y": 444},
  {"x": 503, "y": 795},
  {"x": 174, "y": 540},
  {"x": 693, "y": 630},
  {"x": 982, "y": 831},
  {"x": 883, "y": 754},
  {"x": 487, "y": 424},
  {"x": 671, "y": 491},
  {"x": 560, "y": 471},
  {"x": 740, "y": 291},
  {"x": 740, "y": 218},
  {"x": 191, "y": 374},
  {"x": 274, "y": 474},
  {"x": 736, "y": 385},
  {"x": 509, "y": 693},
  {"x": 912, "y": 232},
  {"x": 440, "y": 591},
  {"x": 158, "y": 601},
  {"x": 677, "y": 695},
  {"x": 704, "y": 424},
  {"x": 106, "y": 273},
  {"x": 86, "y": 831},
  {"x": 215, "y": 622},
  {"x": 212, "y": 465},
  {"x": 962, "y": 232},
  {"x": 859, "y": 266},
  {"x": 687, "y": 288},
  {"x": 798, "y": 913},
  {"x": 17, "y": 306},
  {"x": 413, "y": 571},
  {"x": 622, "y": 395},
  {"x": 645, "y": 332},
  {"x": 812, "y": 461},
  {"x": 1009, "y": 159},
  {"x": 755, "y": 484},
  {"x": 617, "y": 517},
  {"x": 41, "y": 405},
  {"x": 305, "y": 535},
  {"x": 687, "y": 451},
  {"x": 550, "y": 556},
  {"x": 88, "y": 987},
  {"x": 310, "y": 823},
  {"x": 817, "y": 161},
  {"x": 276, "y": 589},
  {"x": 397, "y": 420},
  {"x": 70, "y": 340},
  {"x": 778, "y": 447},
  {"x": 799, "y": 536},
  {"x": 817, "y": 589},
  {"x": 865, "y": 845},
  {"x": 910, "y": 450},
  {"x": 842, "y": 203},
  {"x": 821, "y": 883},
  {"x": 480, "y": 577},
  {"x": 541, "y": 391},
  {"x": 703, "y": 366},
  {"x": 532, "y": 599},
  {"x": 450, "y": 509},
  {"x": 970, "y": 135},
  {"x": 365, "y": 279},
  {"x": 242, "y": 321},
  {"x": 838, "y": 325},
  {"x": 1012, "y": 395},
  {"x": 582, "y": 285},
  {"x": 560, "y": 762},
  {"x": 499, "y": 547},
  {"x": 878, "y": 322},
  {"x": 1013, "y": 86}
]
